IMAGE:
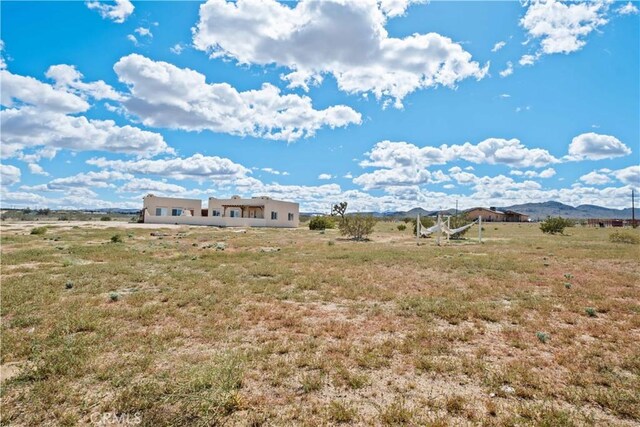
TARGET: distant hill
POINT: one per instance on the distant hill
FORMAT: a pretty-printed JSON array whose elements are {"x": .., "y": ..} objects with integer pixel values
[
  {"x": 543, "y": 210},
  {"x": 534, "y": 210},
  {"x": 414, "y": 212}
]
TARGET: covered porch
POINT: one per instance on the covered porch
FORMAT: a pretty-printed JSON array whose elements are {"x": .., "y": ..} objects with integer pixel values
[{"x": 245, "y": 211}]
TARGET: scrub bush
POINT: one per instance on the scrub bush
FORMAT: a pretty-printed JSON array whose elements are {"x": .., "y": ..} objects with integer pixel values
[
  {"x": 321, "y": 223},
  {"x": 555, "y": 225}
]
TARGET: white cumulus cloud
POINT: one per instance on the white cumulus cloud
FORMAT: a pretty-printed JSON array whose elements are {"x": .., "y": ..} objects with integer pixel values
[
  {"x": 9, "y": 175},
  {"x": 629, "y": 176},
  {"x": 562, "y": 27},
  {"x": 526, "y": 60},
  {"x": 547, "y": 173},
  {"x": 30, "y": 91},
  {"x": 117, "y": 12},
  {"x": 177, "y": 48},
  {"x": 510, "y": 152},
  {"x": 146, "y": 185},
  {"x": 143, "y": 32},
  {"x": 595, "y": 178},
  {"x": 198, "y": 167},
  {"x": 36, "y": 169},
  {"x": 163, "y": 95},
  {"x": 30, "y": 127},
  {"x": 274, "y": 171},
  {"x": 402, "y": 163},
  {"x": 81, "y": 184},
  {"x": 498, "y": 46},
  {"x": 628, "y": 9},
  {"x": 69, "y": 79},
  {"x": 38, "y": 116},
  {"x": 393, "y": 8},
  {"x": 345, "y": 39},
  {"x": 507, "y": 71},
  {"x": 593, "y": 146}
]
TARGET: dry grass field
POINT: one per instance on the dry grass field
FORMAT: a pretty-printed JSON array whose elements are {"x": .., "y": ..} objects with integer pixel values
[{"x": 524, "y": 329}]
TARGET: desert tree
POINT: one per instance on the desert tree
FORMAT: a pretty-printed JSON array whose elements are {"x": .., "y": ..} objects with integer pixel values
[{"x": 339, "y": 209}]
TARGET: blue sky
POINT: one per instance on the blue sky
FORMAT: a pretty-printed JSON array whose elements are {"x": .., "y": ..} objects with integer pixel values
[{"x": 388, "y": 105}]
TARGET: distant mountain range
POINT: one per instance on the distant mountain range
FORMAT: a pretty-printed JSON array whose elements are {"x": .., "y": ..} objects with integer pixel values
[
  {"x": 534, "y": 210},
  {"x": 543, "y": 210}
]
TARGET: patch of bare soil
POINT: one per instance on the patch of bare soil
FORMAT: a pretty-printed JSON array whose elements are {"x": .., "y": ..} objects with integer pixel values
[{"x": 10, "y": 370}]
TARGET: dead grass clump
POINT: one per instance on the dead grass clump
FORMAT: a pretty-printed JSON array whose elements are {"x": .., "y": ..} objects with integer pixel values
[
  {"x": 455, "y": 404},
  {"x": 340, "y": 412},
  {"x": 624, "y": 237},
  {"x": 397, "y": 413},
  {"x": 312, "y": 381},
  {"x": 353, "y": 380}
]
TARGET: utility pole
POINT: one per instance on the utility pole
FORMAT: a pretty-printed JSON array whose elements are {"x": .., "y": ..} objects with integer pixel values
[{"x": 456, "y": 208}]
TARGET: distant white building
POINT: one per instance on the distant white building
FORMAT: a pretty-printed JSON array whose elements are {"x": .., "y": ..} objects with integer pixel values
[{"x": 234, "y": 212}]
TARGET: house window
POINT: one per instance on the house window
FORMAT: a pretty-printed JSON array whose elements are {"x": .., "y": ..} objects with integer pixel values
[
  {"x": 290, "y": 217},
  {"x": 176, "y": 212},
  {"x": 215, "y": 212},
  {"x": 161, "y": 211},
  {"x": 234, "y": 213},
  {"x": 274, "y": 215}
]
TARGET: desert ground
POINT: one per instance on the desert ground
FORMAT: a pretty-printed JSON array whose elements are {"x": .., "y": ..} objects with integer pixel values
[{"x": 203, "y": 326}]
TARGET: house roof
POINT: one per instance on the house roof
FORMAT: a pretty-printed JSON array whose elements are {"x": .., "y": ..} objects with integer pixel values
[
  {"x": 485, "y": 209},
  {"x": 249, "y": 204}
]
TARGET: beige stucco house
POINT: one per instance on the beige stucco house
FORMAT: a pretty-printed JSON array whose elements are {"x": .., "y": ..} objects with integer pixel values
[{"x": 234, "y": 212}]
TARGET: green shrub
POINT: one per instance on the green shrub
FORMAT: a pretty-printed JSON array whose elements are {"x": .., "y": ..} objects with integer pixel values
[
  {"x": 624, "y": 237},
  {"x": 114, "y": 296},
  {"x": 358, "y": 227},
  {"x": 402, "y": 227},
  {"x": 105, "y": 218},
  {"x": 116, "y": 238},
  {"x": 543, "y": 336},
  {"x": 591, "y": 312},
  {"x": 321, "y": 223},
  {"x": 555, "y": 225},
  {"x": 39, "y": 230}
]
